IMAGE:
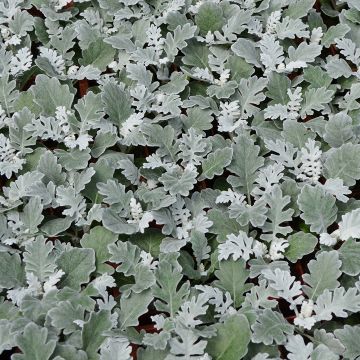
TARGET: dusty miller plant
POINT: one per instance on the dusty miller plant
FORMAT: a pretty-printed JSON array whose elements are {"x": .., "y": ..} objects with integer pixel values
[{"x": 179, "y": 179}]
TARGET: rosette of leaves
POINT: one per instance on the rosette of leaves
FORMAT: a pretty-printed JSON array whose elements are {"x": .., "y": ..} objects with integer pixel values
[{"x": 179, "y": 179}]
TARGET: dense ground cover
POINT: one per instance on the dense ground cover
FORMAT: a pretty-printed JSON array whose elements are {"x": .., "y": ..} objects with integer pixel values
[{"x": 179, "y": 180}]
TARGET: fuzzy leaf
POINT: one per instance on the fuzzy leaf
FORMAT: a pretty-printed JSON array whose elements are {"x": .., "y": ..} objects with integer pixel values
[
  {"x": 92, "y": 334},
  {"x": 350, "y": 338},
  {"x": 34, "y": 344},
  {"x": 231, "y": 340},
  {"x": 98, "y": 239},
  {"x": 318, "y": 208},
  {"x": 132, "y": 307},
  {"x": 231, "y": 277},
  {"x": 77, "y": 264},
  {"x": 177, "y": 181},
  {"x": 336, "y": 302},
  {"x": 245, "y": 162},
  {"x": 349, "y": 254},
  {"x": 343, "y": 163},
  {"x": 49, "y": 94},
  {"x": 209, "y": 18},
  {"x": 271, "y": 326},
  {"x": 116, "y": 103},
  {"x": 170, "y": 296},
  {"x": 324, "y": 272},
  {"x": 215, "y": 163},
  {"x": 98, "y": 54},
  {"x": 12, "y": 273},
  {"x": 300, "y": 244}
]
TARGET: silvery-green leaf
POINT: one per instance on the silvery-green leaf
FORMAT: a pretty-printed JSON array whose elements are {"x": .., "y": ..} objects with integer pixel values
[
  {"x": 349, "y": 254},
  {"x": 200, "y": 246},
  {"x": 299, "y": 8},
  {"x": 232, "y": 339},
  {"x": 271, "y": 326},
  {"x": 300, "y": 244},
  {"x": 215, "y": 163},
  {"x": 315, "y": 100},
  {"x": 337, "y": 302},
  {"x": 231, "y": 277},
  {"x": 126, "y": 254},
  {"x": 12, "y": 273},
  {"x": 103, "y": 140},
  {"x": 98, "y": 239},
  {"x": 317, "y": 207},
  {"x": 132, "y": 307},
  {"x": 177, "y": 181},
  {"x": 334, "y": 32},
  {"x": 323, "y": 352},
  {"x": 349, "y": 225},
  {"x": 316, "y": 77},
  {"x": 245, "y": 162},
  {"x": 31, "y": 216},
  {"x": 88, "y": 72},
  {"x": 117, "y": 224},
  {"x": 115, "y": 349},
  {"x": 170, "y": 245},
  {"x": 168, "y": 291},
  {"x": 34, "y": 343},
  {"x": 304, "y": 52},
  {"x": 49, "y": 166},
  {"x": 277, "y": 88},
  {"x": 272, "y": 53},
  {"x": 90, "y": 109},
  {"x": 209, "y": 18},
  {"x": 336, "y": 68},
  {"x": 77, "y": 264},
  {"x": 349, "y": 101},
  {"x": 196, "y": 54},
  {"x": 297, "y": 348},
  {"x": 49, "y": 94},
  {"x": 20, "y": 138},
  {"x": 329, "y": 340},
  {"x": 92, "y": 334},
  {"x": 8, "y": 94},
  {"x": 162, "y": 138},
  {"x": 151, "y": 354},
  {"x": 239, "y": 68},
  {"x": 276, "y": 214},
  {"x": 63, "y": 352},
  {"x": 176, "y": 42},
  {"x": 115, "y": 193},
  {"x": 222, "y": 224},
  {"x": 251, "y": 95},
  {"x": 64, "y": 314},
  {"x": 343, "y": 163},
  {"x": 350, "y": 338},
  {"x": 323, "y": 274},
  {"x": 130, "y": 171},
  {"x": 7, "y": 341},
  {"x": 73, "y": 159},
  {"x": 39, "y": 259},
  {"x": 289, "y": 28},
  {"x": 176, "y": 84},
  {"x": 22, "y": 23},
  {"x": 98, "y": 54},
  {"x": 296, "y": 133},
  {"x": 117, "y": 103},
  {"x": 222, "y": 91},
  {"x": 338, "y": 130},
  {"x": 138, "y": 72},
  {"x": 246, "y": 49},
  {"x": 56, "y": 226}
]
